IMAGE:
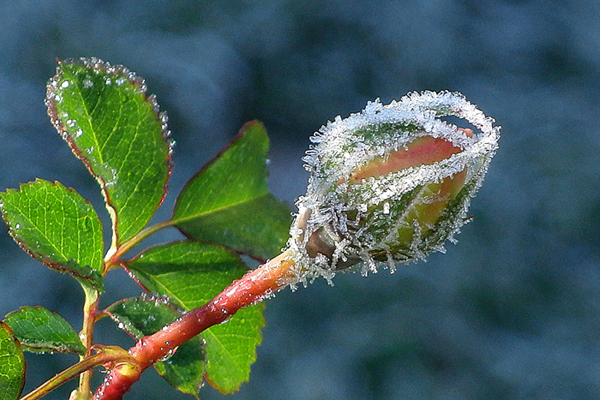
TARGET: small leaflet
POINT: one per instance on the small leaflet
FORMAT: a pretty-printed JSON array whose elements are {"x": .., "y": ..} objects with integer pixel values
[
  {"x": 51, "y": 222},
  {"x": 103, "y": 112},
  {"x": 42, "y": 331},
  {"x": 228, "y": 200}
]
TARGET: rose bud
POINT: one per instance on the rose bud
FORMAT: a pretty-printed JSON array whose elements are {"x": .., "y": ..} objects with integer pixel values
[{"x": 391, "y": 184}]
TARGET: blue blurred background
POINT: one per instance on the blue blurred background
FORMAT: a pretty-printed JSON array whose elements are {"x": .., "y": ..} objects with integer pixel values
[{"x": 510, "y": 312}]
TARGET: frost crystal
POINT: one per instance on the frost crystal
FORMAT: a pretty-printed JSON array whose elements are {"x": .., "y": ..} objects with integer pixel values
[{"x": 389, "y": 185}]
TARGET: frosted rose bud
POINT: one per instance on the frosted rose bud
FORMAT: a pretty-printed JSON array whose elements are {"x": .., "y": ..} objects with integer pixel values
[{"x": 391, "y": 184}]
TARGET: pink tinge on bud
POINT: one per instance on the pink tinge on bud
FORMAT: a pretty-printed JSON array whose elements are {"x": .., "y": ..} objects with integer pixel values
[
  {"x": 422, "y": 151},
  {"x": 391, "y": 184}
]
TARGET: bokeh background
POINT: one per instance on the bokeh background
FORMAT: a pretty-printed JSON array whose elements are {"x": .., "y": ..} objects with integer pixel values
[{"x": 510, "y": 312}]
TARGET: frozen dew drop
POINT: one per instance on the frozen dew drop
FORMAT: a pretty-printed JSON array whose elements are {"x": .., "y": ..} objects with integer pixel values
[
  {"x": 71, "y": 123},
  {"x": 78, "y": 133},
  {"x": 386, "y": 208},
  {"x": 18, "y": 226},
  {"x": 87, "y": 83},
  {"x": 167, "y": 356},
  {"x": 120, "y": 81},
  {"x": 65, "y": 84},
  {"x": 108, "y": 81}
]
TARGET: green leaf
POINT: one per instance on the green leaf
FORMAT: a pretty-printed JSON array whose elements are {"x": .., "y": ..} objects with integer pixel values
[
  {"x": 58, "y": 227},
  {"x": 145, "y": 315},
  {"x": 40, "y": 330},
  {"x": 228, "y": 201},
  {"x": 231, "y": 348},
  {"x": 103, "y": 113},
  {"x": 191, "y": 274},
  {"x": 12, "y": 365}
]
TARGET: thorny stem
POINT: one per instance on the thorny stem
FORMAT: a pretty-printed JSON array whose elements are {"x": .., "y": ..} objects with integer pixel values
[
  {"x": 250, "y": 289},
  {"x": 96, "y": 360}
]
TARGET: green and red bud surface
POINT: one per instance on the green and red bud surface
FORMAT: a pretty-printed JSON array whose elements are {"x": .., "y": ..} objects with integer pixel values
[{"x": 391, "y": 184}]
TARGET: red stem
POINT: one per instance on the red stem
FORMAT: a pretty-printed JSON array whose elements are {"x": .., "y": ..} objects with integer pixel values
[{"x": 250, "y": 289}]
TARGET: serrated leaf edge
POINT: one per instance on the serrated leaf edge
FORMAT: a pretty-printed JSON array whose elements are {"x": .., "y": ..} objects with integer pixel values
[
  {"x": 122, "y": 325},
  {"x": 27, "y": 346},
  {"x": 96, "y": 283},
  {"x": 239, "y": 136},
  {"x": 251, "y": 361},
  {"x": 18, "y": 346},
  {"x": 98, "y": 65}
]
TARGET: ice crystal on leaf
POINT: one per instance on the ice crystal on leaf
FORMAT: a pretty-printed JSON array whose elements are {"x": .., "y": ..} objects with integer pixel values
[{"x": 391, "y": 184}]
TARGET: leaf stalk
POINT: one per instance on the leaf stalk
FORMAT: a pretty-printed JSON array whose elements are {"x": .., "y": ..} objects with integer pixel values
[
  {"x": 113, "y": 357},
  {"x": 113, "y": 258}
]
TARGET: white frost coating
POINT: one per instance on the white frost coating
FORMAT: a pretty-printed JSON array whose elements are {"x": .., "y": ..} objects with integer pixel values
[{"x": 359, "y": 222}]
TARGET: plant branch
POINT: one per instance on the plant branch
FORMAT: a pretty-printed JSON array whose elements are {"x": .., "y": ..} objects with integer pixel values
[
  {"x": 112, "y": 356},
  {"x": 250, "y": 289}
]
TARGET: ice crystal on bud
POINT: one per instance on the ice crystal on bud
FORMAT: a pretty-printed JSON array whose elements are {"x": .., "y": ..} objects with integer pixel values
[{"x": 391, "y": 184}]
